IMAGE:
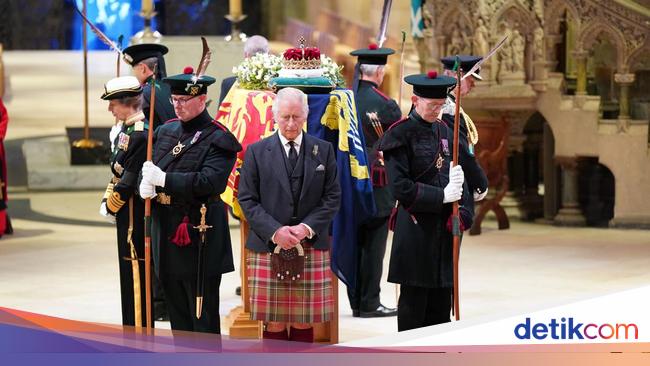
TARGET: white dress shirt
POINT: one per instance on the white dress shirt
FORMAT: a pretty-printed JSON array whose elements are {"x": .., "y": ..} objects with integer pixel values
[{"x": 285, "y": 144}]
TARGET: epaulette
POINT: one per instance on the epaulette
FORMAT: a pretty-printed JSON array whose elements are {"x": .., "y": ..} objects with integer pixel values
[
  {"x": 140, "y": 126},
  {"x": 399, "y": 121},
  {"x": 220, "y": 126},
  {"x": 380, "y": 93}
]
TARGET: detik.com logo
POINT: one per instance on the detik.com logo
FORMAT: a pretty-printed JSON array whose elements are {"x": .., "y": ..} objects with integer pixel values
[{"x": 568, "y": 328}]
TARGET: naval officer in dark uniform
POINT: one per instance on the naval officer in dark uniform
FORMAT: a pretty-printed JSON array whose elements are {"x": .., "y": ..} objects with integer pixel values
[
  {"x": 143, "y": 58},
  {"x": 192, "y": 159},
  {"x": 418, "y": 156},
  {"x": 121, "y": 202},
  {"x": 376, "y": 112}
]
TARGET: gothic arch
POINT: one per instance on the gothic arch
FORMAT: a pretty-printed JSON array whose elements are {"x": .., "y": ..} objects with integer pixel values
[
  {"x": 555, "y": 13},
  {"x": 635, "y": 57},
  {"x": 528, "y": 22},
  {"x": 597, "y": 27},
  {"x": 454, "y": 11}
]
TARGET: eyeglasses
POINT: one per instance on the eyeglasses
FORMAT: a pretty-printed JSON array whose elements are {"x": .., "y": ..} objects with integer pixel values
[{"x": 180, "y": 102}]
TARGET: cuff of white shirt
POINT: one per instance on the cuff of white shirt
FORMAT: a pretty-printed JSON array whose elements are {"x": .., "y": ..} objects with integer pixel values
[
  {"x": 311, "y": 232},
  {"x": 273, "y": 236}
]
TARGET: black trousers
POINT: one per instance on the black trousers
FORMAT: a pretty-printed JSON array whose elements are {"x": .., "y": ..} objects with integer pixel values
[
  {"x": 126, "y": 267},
  {"x": 372, "y": 248},
  {"x": 180, "y": 296},
  {"x": 421, "y": 307}
]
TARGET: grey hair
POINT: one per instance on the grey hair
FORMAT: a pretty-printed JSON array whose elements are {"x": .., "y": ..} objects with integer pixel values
[
  {"x": 255, "y": 45},
  {"x": 369, "y": 70},
  {"x": 134, "y": 102},
  {"x": 150, "y": 62},
  {"x": 290, "y": 94}
]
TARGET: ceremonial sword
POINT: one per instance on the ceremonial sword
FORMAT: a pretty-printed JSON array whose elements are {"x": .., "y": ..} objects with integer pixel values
[{"x": 202, "y": 228}]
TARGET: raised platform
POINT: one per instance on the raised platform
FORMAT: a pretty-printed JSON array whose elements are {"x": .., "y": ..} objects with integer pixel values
[{"x": 48, "y": 167}]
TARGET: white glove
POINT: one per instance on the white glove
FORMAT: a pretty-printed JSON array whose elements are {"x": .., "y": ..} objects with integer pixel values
[
  {"x": 480, "y": 196},
  {"x": 456, "y": 175},
  {"x": 453, "y": 192},
  {"x": 153, "y": 174},
  {"x": 115, "y": 130},
  {"x": 103, "y": 211},
  {"x": 147, "y": 190}
]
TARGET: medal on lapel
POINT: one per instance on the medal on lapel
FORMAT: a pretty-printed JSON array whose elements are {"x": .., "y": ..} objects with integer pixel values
[
  {"x": 177, "y": 149},
  {"x": 439, "y": 161},
  {"x": 196, "y": 137},
  {"x": 123, "y": 141},
  {"x": 314, "y": 151}
]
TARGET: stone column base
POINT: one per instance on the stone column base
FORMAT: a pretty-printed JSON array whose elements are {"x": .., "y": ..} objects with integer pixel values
[{"x": 570, "y": 216}]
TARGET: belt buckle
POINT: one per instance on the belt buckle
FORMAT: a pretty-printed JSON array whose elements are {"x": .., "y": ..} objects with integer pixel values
[{"x": 164, "y": 199}]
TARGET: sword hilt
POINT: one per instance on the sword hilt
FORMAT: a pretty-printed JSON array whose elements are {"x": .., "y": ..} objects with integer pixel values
[{"x": 202, "y": 227}]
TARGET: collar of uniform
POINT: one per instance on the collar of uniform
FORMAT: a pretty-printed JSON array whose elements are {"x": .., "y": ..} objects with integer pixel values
[
  {"x": 197, "y": 122},
  {"x": 417, "y": 118},
  {"x": 369, "y": 82},
  {"x": 130, "y": 120},
  {"x": 297, "y": 140}
]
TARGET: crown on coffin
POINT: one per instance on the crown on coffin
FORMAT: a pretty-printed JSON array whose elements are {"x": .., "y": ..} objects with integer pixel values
[{"x": 301, "y": 57}]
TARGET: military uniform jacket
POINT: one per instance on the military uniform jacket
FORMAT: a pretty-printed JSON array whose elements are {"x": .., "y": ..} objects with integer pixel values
[
  {"x": 474, "y": 174},
  {"x": 373, "y": 106},
  {"x": 418, "y": 154},
  {"x": 197, "y": 174},
  {"x": 126, "y": 162},
  {"x": 163, "y": 109}
]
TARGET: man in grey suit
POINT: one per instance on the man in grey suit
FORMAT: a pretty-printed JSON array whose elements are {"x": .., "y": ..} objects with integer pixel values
[{"x": 289, "y": 193}]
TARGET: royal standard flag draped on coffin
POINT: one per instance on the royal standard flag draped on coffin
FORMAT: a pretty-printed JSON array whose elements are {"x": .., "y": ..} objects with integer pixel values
[
  {"x": 247, "y": 114},
  {"x": 332, "y": 117}
]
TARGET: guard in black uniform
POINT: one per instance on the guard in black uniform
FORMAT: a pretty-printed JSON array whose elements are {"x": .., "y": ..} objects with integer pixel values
[
  {"x": 121, "y": 202},
  {"x": 476, "y": 179},
  {"x": 377, "y": 112},
  {"x": 142, "y": 58},
  {"x": 418, "y": 154},
  {"x": 192, "y": 159}
]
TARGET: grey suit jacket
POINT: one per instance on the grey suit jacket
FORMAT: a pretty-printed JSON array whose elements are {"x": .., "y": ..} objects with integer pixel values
[{"x": 265, "y": 193}]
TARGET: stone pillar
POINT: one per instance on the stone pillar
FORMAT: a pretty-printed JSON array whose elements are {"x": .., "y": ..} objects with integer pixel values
[
  {"x": 570, "y": 214},
  {"x": 533, "y": 203},
  {"x": 550, "y": 176},
  {"x": 624, "y": 80},
  {"x": 513, "y": 203},
  {"x": 551, "y": 55},
  {"x": 581, "y": 70}
]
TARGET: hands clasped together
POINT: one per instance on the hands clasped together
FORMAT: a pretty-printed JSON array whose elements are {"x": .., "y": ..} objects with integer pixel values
[{"x": 288, "y": 237}]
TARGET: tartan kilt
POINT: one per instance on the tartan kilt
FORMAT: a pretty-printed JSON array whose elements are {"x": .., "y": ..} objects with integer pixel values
[{"x": 309, "y": 300}]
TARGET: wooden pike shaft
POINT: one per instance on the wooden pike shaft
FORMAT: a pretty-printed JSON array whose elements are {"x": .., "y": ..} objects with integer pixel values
[
  {"x": 147, "y": 207},
  {"x": 455, "y": 217},
  {"x": 85, "y": 53}
]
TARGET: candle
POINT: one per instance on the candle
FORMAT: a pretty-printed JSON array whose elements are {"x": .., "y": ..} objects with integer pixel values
[
  {"x": 147, "y": 6},
  {"x": 235, "y": 8}
]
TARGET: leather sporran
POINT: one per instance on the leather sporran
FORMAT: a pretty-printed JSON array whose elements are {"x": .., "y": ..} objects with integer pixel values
[{"x": 288, "y": 265}]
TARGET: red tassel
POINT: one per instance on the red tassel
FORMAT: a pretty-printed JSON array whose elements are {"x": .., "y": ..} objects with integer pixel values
[
  {"x": 460, "y": 221},
  {"x": 378, "y": 174},
  {"x": 392, "y": 220},
  {"x": 182, "y": 236}
]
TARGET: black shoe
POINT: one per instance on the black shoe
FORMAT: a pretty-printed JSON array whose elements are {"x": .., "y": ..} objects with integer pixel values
[
  {"x": 160, "y": 312},
  {"x": 355, "y": 313},
  {"x": 380, "y": 312},
  {"x": 238, "y": 291}
]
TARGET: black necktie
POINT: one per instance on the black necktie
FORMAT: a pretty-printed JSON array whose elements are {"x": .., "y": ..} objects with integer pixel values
[{"x": 293, "y": 155}]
